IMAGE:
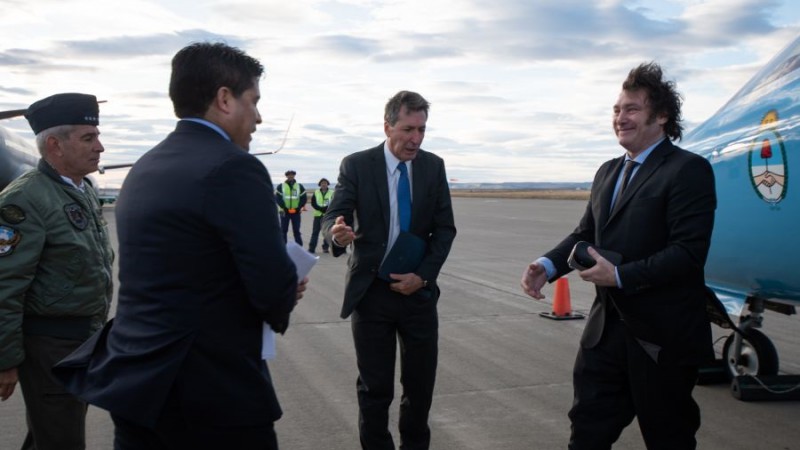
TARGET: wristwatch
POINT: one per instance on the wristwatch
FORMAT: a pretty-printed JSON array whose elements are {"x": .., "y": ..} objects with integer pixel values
[{"x": 424, "y": 283}]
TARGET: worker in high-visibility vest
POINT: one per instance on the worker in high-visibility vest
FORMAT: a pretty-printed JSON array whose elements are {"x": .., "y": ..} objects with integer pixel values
[
  {"x": 319, "y": 202},
  {"x": 291, "y": 197}
]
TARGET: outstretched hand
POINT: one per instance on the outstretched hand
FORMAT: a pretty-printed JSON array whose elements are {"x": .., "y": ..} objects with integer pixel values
[
  {"x": 533, "y": 279},
  {"x": 342, "y": 233}
]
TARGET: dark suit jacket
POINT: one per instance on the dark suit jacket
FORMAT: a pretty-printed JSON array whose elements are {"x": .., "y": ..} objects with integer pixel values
[
  {"x": 202, "y": 265},
  {"x": 662, "y": 227},
  {"x": 362, "y": 197}
]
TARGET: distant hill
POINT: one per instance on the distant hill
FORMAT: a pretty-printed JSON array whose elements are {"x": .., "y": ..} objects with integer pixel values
[{"x": 523, "y": 186}]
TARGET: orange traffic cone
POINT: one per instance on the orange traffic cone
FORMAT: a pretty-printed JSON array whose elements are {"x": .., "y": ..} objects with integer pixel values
[{"x": 562, "y": 309}]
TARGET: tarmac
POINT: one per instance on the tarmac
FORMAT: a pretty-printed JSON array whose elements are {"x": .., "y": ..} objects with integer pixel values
[{"x": 504, "y": 376}]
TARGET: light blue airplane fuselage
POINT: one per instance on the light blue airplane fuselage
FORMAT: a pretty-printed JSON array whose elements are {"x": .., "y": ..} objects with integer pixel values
[{"x": 753, "y": 144}]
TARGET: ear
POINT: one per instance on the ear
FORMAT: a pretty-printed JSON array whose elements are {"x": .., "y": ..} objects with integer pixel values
[
  {"x": 386, "y": 128},
  {"x": 53, "y": 146},
  {"x": 662, "y": 119},
  {"x": 222, "y": 100}
]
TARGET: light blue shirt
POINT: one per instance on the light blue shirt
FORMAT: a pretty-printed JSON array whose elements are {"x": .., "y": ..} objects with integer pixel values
[
  {"x": 211, "y": 125},
  {"x": 639, "y": 160},
  {"x": 548, "y": 265}
]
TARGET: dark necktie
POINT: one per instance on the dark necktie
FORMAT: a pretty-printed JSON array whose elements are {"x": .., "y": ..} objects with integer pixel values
[
  {"x": 403, "y": 197},
  {"x": 626, "y": 177}
]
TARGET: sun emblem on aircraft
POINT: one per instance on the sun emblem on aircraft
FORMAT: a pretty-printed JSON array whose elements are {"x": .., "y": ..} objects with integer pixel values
[{"x": 768, "y": 161}]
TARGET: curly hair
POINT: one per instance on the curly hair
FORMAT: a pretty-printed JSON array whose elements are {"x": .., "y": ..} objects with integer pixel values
[{"x": 662, "y": 95}]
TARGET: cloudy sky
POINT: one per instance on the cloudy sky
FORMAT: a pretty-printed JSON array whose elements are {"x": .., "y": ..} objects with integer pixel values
[{"x": 521, "y": 90}]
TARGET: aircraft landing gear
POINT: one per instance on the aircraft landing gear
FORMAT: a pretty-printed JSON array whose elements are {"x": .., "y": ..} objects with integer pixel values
[
  {"x": 751, "y": 360},
  {"x": 752, "y": 355},
  {"x": 750, "y": 352}
]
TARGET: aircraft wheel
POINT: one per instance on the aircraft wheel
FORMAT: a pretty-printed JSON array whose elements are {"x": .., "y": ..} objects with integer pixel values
[{"x": 759, "y": 356}]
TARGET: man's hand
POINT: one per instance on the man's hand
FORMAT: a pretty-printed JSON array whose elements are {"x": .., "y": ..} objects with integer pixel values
[
  {"x": 602, "y": 274},
  {"x": 533, "y": 278},
  {"x": 301, "y": 287},
  {"x": 406, "y": 283},
  {"x": 341, "y": 233},
  {"x": 8, "y": 381}
]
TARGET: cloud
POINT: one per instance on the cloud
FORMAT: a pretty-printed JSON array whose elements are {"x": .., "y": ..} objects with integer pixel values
[
  {"x": 742, "y": 18},
  {"x": 15, "y": 90},
  {"x": 123, "y": 47},
  {"x": 521, "y": 90},
  {"x": 19, "y": 57},
  {"x": 346, "y": 45},
  {"x": 418, "y": 53},
  {"x": 324, "y": 129}
]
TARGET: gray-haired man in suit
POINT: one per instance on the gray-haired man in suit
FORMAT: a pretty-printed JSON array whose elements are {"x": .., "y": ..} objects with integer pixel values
[{"x": 370, "y": 189}]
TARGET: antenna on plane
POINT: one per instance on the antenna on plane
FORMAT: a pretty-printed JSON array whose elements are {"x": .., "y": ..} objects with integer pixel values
[
  {"x": 12, "y": 113},
  {"x": 104, "y": 167},
  {"x": 286, "y": 135}
]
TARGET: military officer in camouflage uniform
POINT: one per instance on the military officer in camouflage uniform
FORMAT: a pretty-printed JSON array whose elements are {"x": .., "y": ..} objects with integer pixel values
[{"x": 55, "y": 267}]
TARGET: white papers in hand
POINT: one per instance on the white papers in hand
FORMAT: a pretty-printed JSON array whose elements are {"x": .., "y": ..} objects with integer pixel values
[{"x": 304, "y": 262}]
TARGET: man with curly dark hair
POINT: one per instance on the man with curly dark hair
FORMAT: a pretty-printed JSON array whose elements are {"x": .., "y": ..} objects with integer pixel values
[{"x": 647, "y": 331}]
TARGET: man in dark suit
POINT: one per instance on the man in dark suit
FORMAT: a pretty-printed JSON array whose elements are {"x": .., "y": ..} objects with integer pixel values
[
  {"x": 203, "y": 266},
  {"x": 647, "y": 331},
  {"x": 369, "y": 211}
]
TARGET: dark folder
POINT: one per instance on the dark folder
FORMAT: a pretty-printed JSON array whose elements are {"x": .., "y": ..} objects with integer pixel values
[{"x": 404, "y": 257}]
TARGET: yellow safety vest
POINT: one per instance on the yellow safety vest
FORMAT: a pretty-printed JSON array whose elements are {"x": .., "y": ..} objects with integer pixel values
[
  {"x": 322, "y": 200},
  {"x": 291, "y": 195}
]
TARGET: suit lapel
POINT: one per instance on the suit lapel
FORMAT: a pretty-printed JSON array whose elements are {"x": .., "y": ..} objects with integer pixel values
[
  {"x": 418, "y": 188},
  {"x": 381, "y": 182},
  {"x": 649, "y": 167},
  {"x": 607, "y": 189}
]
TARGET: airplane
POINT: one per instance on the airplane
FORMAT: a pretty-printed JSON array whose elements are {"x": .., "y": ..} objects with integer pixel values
[
  {"x": 17, "y": 155},
  {"x": 753, "y": 144}
]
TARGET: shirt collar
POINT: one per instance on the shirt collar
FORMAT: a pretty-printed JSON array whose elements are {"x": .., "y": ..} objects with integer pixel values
[
  {"x": 643, "y": 156},
  {"x": 211, "y": 125},
  {"x": 391, "y": 160},
  {"x": 68, "y": 180}
]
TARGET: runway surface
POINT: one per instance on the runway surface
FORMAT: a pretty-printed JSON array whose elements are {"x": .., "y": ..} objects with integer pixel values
[{"x": 504, "y": 378}]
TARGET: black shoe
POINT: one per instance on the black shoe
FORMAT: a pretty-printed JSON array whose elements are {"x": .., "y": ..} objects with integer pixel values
[{"x": 325, "y": 250}]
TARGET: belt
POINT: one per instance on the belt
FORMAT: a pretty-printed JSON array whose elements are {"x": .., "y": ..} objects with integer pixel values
[{"x": 77, "y": 328}]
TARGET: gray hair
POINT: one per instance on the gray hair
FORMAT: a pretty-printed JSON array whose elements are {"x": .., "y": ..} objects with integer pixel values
[
  {"x": 60, "y": 132},
  {"x": 411, "y": 100}
]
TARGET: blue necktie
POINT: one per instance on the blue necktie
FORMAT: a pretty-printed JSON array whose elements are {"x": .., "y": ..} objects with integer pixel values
[{"x": 403, "y": 197}]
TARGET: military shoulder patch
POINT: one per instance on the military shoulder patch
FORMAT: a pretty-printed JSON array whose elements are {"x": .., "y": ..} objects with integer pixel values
[
  {"x": 9, "y": 238},
  {"x": 12, "y": 214},
  {"x": 76, "y": 216}
]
